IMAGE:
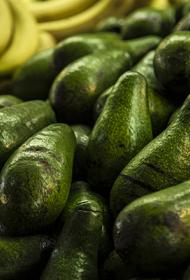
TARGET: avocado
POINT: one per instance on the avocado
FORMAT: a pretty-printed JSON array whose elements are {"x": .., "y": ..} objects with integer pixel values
[
  {"x": 35, "y": 181},
  {"x": 76, "y": 253},
  {"x": 162, "y": 163},
  {"x": 9, "y": 100},
  {"x": 121, "y": 131},
  {"x": 34, "y": 78},
  {"x": 153, "y": 232},
  {"x": 100, "y": 102},
  {"x": 171, "y": 64},
  {"x": 23, "y": 257},
  {"x": 148, "y": 21},
  {"x": 110, "y": 24},
  {"x": 185, "y": 8},
  {"x": 183, "y": 24},
  {"x": 19, "y": 122},
  {"x": 76, "y": 88},
  {"x": 82, "y": 133}
]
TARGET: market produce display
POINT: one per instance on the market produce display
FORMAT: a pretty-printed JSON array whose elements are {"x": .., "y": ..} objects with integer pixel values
[{"x": 95, "y": 140}]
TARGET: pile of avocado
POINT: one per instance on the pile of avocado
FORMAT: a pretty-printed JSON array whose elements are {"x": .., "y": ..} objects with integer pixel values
[{"x": 95, "y": 154}]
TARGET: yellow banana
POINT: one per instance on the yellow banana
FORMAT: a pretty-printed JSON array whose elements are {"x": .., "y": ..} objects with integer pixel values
[
  {"x": 47, "y": 41},
  {"x": 81, "y": 22},
  {"x": 160, "y": 4},
  {"x": 6, "y": 24},
  {"x": 25, "y": 40},
  {"x": 59, "y": 9}
]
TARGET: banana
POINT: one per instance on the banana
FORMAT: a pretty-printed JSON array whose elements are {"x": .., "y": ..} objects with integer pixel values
[
  {"x": 47, "y": 41},
  {"x": 81, "y": 22},
  {"x": 6, "y": 23},
  {"x": 160, "y": 4},
  {"x": 25, "y": 40},
  {"x": 59, "y": 9}
]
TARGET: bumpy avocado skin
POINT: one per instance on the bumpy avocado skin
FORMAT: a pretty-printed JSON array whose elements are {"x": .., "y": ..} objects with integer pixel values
[
  {"x": 19, "y": 122},
  {"x": 9, "y": 100},
  {"x": 162, "y": 163},
  {"x": 122, "y": 129},
  {"x": 76, "y": 252},
  {"x": 23, "y": 257},
  {"x": 171, "y": 64},
  {"x": 148, "y": 21},
  {"x": 35, "y": 181},
  {"x": 82, "y": 133},
  {"x": 34, "y": 79},
  {"x": 153, "y": 232},
  {"x": 77, "y": 87}
]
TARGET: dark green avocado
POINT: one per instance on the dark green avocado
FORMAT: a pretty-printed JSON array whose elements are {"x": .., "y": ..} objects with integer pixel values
[
  {"x": 23, "y": 257},
  {"x": 19, "y": 122},
  {"x": 153, "y": 232},
  {"x": 162, "y": 163},
  {"x": 121, "y": 131},
  {"x": 110, "y": 24},
  {"x": 183, "y": 24},
  {"x": 172, "y": 65},
  {"x": 148, "y": 21},
  {"x": 34, "y": 78},
  {"x": 35, "y": 181},
  {"x": 9, "y": 100},
  {"x": 77, "y": 87},
  {"x": 76, "y": 253}
]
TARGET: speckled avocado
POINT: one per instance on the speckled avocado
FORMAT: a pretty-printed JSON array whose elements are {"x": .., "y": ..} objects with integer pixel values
[
  {"x": 35, "y": 181},
  {"x": 164, "y": 162},
  {"x": 76, "y": 88},
  {"x": 19, "y": 122},
  {"x": 23, "y": 257},
  {"x": 123, "y": 129},
  {"x": 148, "y": 21},
  {"x": 153, "y": 232},
  {"x": 110, "y": 24},
  {"x": 76, "y": 252},
  {"x": 34, "y": 78},
  {"x": 9, "y": 100}
]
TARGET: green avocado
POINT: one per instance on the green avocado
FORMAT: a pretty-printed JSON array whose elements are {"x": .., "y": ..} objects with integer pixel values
[
  {"x": 148, "y": 21},
  {"x": 183, "y": 24},
  {"x": 82, "y": 133},
  {"x": 35, "y": 181},
  {"x": 162, "y": 163},
  {"x": 77, "y": 250},
  {"x": 172, "y": 65},
  {"x": 9, "y": 100},
  {"x": 185, "y": 8},
  {"x": 153, "y": 232},
  {"x": 121, "y": 131},
  {"x": 110, "y": 24},
  {"x": 34, "y": 78},
  {"x": 19, "y": 122},
  {"x": 77, "y": 87},
  {"x": 23, "y": 257}
]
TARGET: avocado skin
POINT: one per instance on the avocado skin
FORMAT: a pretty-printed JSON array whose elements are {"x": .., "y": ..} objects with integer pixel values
[
  {"x": 9, "y": 100},
  {"x": 111, "y": 24},
  {"x": 76, "y": 252},
  {"x": 171, "y": 64},
  {"x": 77, "y": 87},
  {"x": 153, "y": 232},
  {"x": 162, "y": 163},
  {"x": 183, "y": 24},
  {"x": 19, "y": 122},
  {"x": 122, "y": 129},
  {"x": 23, "y": 257},
  {"x": 33, "y": 80},
  {"x": 148, "y": 21},
  {"x": 35, "y": 181},
  {"x": 82, "y": 133}
]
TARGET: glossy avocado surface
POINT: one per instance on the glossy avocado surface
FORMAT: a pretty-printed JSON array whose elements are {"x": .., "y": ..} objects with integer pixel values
[{"x": 9, "y": 100}]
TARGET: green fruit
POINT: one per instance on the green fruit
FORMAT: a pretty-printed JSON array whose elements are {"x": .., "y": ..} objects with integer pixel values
[
  {"x": 34, "y": 78},
  {"x": 76, "y": 253},
  {"x": 164, "y": 162},
  {"x": 111, "y": 24},
  {"x": 8, "y": 100},
  {"x": 77, "y": 87},
  {"x": 22, "y": 257},
  {"x": 19, "y": 122},
  {"x": 172, "y": 65},
  {"x": 153, "y": 232},
  {"x": 121, "y": 131},
  {"x": 148, "y": 21},
  {"x": 35, "y": 181},
  {"x": 82, "y": 133},
  {"x": 183, "y": 24}
]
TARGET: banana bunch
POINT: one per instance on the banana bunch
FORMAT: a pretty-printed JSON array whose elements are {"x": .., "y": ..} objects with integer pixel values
[{"x": 20, "y": 36}]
